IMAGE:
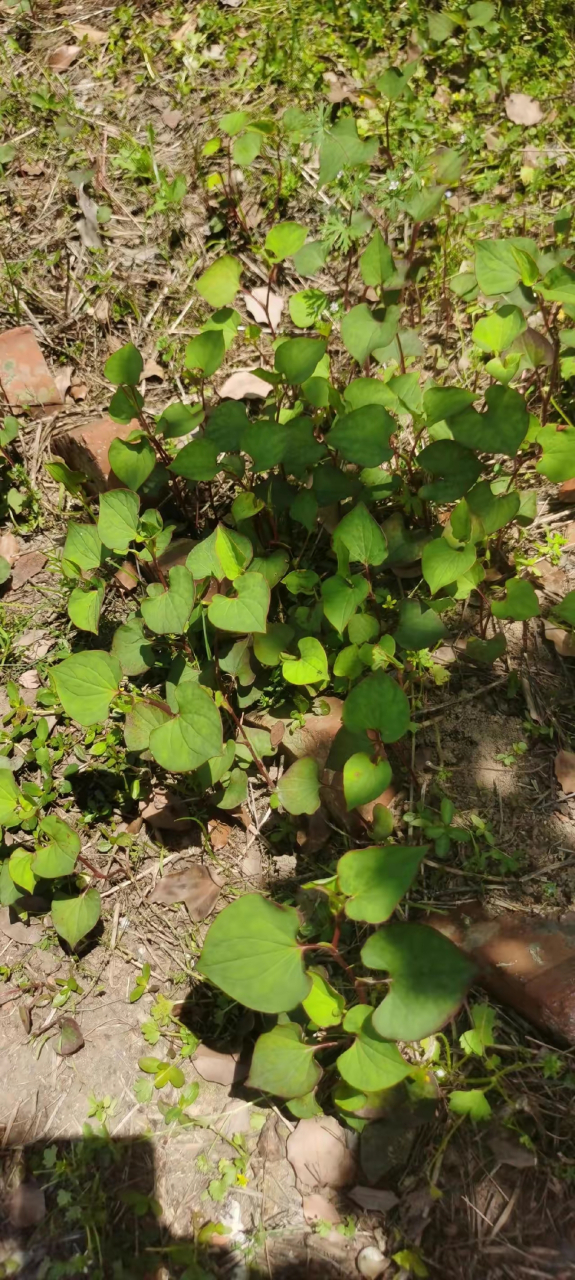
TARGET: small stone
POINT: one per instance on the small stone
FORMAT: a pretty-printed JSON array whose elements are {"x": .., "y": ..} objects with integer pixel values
[
  {"x": 86, "y": 449},
  {"x": 371, "y": 1262},
  {"x": 27, "y": 567},
  {"x": 25, "y": 377},
  {"x": 27, "y": 1205}
]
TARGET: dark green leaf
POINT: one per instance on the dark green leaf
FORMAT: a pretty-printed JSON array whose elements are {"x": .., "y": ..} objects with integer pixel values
[
  {"x": 377, "y": 703},
  {"x": 282, "y": 1064},
  {"x": 376, "y": 879},
  {"x": 429, "y": 979}
]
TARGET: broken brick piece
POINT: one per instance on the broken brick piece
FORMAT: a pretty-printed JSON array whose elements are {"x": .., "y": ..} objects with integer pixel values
[
  {"x": 25, "y": 377},
  {"x": 86, "y": 449},
  {"x": 567, "y": 491},
  {"x": 526, "y": 962}
]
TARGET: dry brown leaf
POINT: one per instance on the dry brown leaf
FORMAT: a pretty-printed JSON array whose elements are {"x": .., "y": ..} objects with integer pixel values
[
  {"x": 193, "y": 886},
  {"x": 9, "y": 547},
  {"x": 318, "y": 1154},
  {"x": 102, "y": 311},
  {"x": 219, "y": 833},
  {"x": 153, "y": 370},
  {"x": 78, "y": 391},
  {"x": 166, "y": 812},
  {"x": 88, "y": 224},
  {"x": 270, "y": 1145},
  {"x": 187, "y": 28},
  {"x": 63, "y": 379},
  {"x": 244, "y": 384},
  {"x": 32, "y": 168},
  {"x": 70, "y": 1039},
  {"x": 27, "y": 567},
  {"x": 29, "y": 679},
  {"x": 564, "y": 641},
  {"x": 565, "y": 770},
  {"x": 317, "y": 1209},
  {"x": 126, "y": 576},
  {"x": 263, "y": 303},
  {"x": 521, "y": 108},
  {"x": 27, "y": 1205},
  {"x": 508, "y": 1150},
  {"x": 339, "y": 88},
  {"x": 371, "y": 1262},
  {"x": 219, "y": 1068},
  {"x": 63, "y": 57},
  {"x": 171, "y": 118},
  {"x": 373, "y": 1200},
  {"x": 93, "y": 35}
]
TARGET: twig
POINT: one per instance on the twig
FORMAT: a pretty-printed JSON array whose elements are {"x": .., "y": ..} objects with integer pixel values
[
  {"x": 463, "y": 697},
  {"x": 141, "y": 874}
]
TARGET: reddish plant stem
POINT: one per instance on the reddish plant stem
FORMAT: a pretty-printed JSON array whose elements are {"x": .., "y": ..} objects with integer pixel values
[
  {"x": 99, "y": 874},
  {"x": 260, "y": 766}
]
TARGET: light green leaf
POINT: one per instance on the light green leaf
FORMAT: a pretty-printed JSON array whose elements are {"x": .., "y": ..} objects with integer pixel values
[
  {"x": 245, "y": 612},
  {"x": 252, "y": 954},
  {"x": 246, "y": 505},
  {"x": 361, "y": 534},
  {"x": 83, "y": 546},
  {"x": 284, "y": 240},
  {"x": 233, "y": 551},
  {"x": 481, "y": 1036},
  {"x": 301, "y": 581},
  {"x": 198, "y": 460},
  {"x": 246, "y": 149},
  {"x": 470, "y": 1102},
  {"x": 205, "y": 352},
  {"x": 58, "y": 857},
  {"x": 376, "y": 263},
  {"x": 311, "y": 667},
  {"x": 193, "y": 736},
  {"x": 429, "y": 978},
  {"x": 124, "y": 367},
  {"x": 132, "y": 461},
  {"x": 520, "y": 602},
  {"x": 377, "y": 703},
  {"x": 269, "y": 645},
  {"x": 496, "y": 331},
  {"x": 20, "y": 869},
  {"x": 73, "y": 918},
  {"x": 341, "y": 597},
  {"x": 11, "y": 800},
  {"x": 235, "y": 790},
  {"x": 282, "y": 1064},
  {"x": 364, "y": 779},
  {"x": 348, "y": 664},
  {"x": 139, "y": 723},
  {"x": 372, "y": 1063},
  {"x": 364, "y": 331},
  {"x": 273, "y": 567},
  {"x": 309, "y": 260},
  {"x": 559, "y": 285},
  {"x": 297, "y": 358},
  {"x": 496, "y": 267},
  {"x": 86, "y": 683},
  {"x": 362, "y": 436},
  {"x": 298, "y": 787},
  {"x": 418, "y": 628},
  {"x": 376, "y": 879},
  {"x": 118, "y": 518},
  {"x": 382, "y": 822},
  {"x": 167, "y": 612},
  {"x": 558, "y": 458},
  {"x": 130, "y": 646},
  {"x": 324, "y": 1005},
  {"x": 220, "y": 283},
  {"x": 565, "y": 610},
  {"x": 305, "y": 307},
  {"x": 442, "y": 564},
  {"x": 84, "y": 607},
  {"x": 342, "y": 149}
]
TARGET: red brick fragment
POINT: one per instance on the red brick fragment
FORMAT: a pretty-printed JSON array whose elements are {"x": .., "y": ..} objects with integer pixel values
[
  {"x": 526, "y": 962},
  {"x": 25, "y": 377},
  {"x": 567, "y": 491},
  {"x": 86, "y": 449}
]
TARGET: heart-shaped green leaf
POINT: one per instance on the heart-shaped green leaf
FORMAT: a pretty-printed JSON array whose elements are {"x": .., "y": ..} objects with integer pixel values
[
  {"x": 11, "y": 800},
  {"x": 84, "y": 607},
  {"x": 198, "y": 460},
  {"x": 139, "y": 723},
  {"x": 233, "y": 551},
  {"x": 377, "y": 703},
  {"x": 500, "y": 430},
  {"x": 125, "y": 367},
  {"x": 364, "y": 331},
  {"x": 297, "y": 358},
  {"x": 445, "y": 402},
  {"x": 73, "y": 918},
  {"x": 311, "y": 667},
  {"x": 458, "y": 465},
  {"x": 364, "y": 779},
  {"x": 220, "y": 283},
  {"x": 298, "y": 787},
  {"x": 362, "y": 536},
  {"x": 418, "y": 628},
  {"x": 558, "y": 458},
  {"x": 58, "y": 857},
  {"x": 271, "y": 644},
  {"x": 284, "y": 240},
  {"x": 442, "y": 564},
  {"x": 131, "y": 461},
  {"x": 245, "y": 611},
  {"x": 341, "y": 597},
  {"x": 520, "y": 602},
  {"x": 20, "y": 866},
  {"x": 118, "y": 518},
  {"x": 376, "y": 880},
  {"x": 86, "y": 683},
  {"x": 251, "y": 952},
  {"x": 265, "y": 442},
  {"x": 372, "y": 1063},
  {"x": 324, "y": 1005},
  {"x": 376, "y": 263},
  {"x": 282, "y": 1064},
  {"x": 362, "y": 436},
  {"x": 206, "y": 352},
  {"x": 492, "y": 510},
  {"x": 498, "y": 330},
  {"x": 130, "y": 646},
  {"x": 429, "y": 979},
  {"x": 167, "y": 612},
  {"x": 191, "y": 737},
  {"x": 83, "y": 546}
]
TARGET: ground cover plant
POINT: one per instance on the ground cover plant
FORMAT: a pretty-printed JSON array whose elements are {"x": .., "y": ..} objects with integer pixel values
[{"x": 372, "y": 401}]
